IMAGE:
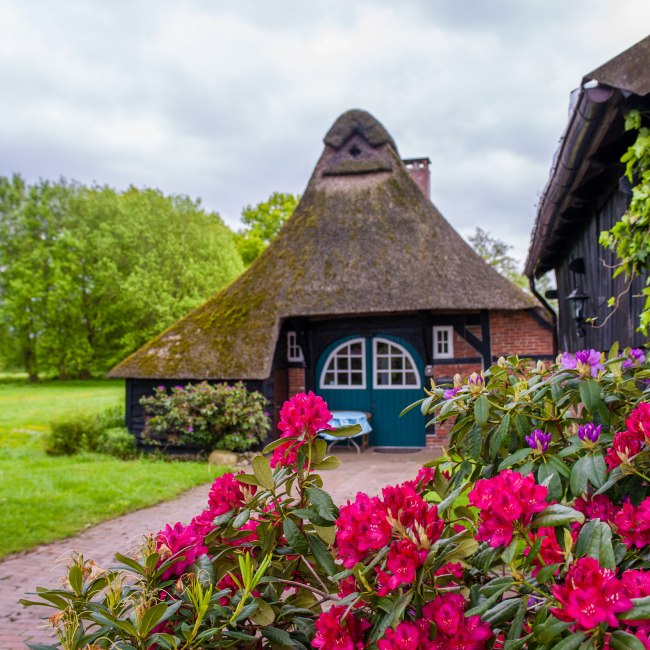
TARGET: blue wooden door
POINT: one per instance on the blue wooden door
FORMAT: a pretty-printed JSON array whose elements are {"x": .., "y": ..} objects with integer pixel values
[{"x": 381, "y": 376}]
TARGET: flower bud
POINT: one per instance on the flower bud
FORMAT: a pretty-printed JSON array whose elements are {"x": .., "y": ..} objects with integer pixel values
[
  {"x": 502, "y": 363},
  {"x": 476, "y": 383},
  {"x": 458, "y": 381},
  {"x": 539, "y": 441}
]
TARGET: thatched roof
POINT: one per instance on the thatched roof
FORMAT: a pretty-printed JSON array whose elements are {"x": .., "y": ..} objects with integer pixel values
[{"x": 363, "y": 240}]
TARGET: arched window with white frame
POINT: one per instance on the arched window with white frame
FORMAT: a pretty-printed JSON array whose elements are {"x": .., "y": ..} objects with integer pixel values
[
  {"x": 394, "y": 366},
  {"x": 345, "y": 367}
]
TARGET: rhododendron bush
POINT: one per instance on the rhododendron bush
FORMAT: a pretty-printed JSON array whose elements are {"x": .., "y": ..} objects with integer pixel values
[{"x": 531, "y": 531}]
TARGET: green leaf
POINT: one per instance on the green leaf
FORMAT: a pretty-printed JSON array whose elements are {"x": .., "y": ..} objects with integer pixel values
[
  {"x": 273, "y": 445},
  {"x": 276, "y": 635},
  {"x": 503, "y": 611},
  {"x": 75, "y": 577},
  {"x": 263, "y": 472},
  {"x": 549, "y": 629},
  {"x": 620, "y": 640},
  {"x": 500, "y": 436},
  {"x": 326, "y": 533},
  {"x": 264, "y": 614},
  {"x": 590, "y": 395},
  {"x": 323, "y": 502},
  {"x": 203, "y": 569},
  {"x": 515, "y": 458},
  {"x": 614, "y": 477},
  {"x": 249, "y": 479},
  {"x": 475, "y": 442},
  {"x": 580, "y": 475},
  {"x": 151, "y": 617},
  {"x": 448, "y": 501},
  {"x": 481, "y": 410},
  {"x": 345, "y": 432},
  {"x": 322, "y": 556},
  {"x": 595, "y": 540},
  {"x": 241, "y": 519},
  {"x": 570, "y": 642},
  {"x": 546, "y": 573},
  {"x": 295, "y": 538},
  {"x": 393, "y": 614},
  {"x": 556, "y": 515},
  {"x": 639, "y": 612},
  {"x": 329, "y": 462}
]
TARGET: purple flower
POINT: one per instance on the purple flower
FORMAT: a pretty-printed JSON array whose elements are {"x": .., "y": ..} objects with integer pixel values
[
  {"x": 539, "y": 440},
  {"x": 190, "y": 429},
  {"x": 635, "y": 357},
  {"x": 451, "y": 392},
  {"x": 585, "y": 361},
  {"x": 589, "y": 432}
]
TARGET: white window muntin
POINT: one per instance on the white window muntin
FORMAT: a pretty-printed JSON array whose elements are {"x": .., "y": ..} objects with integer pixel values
[
  {"x": 294, "y": 351},
  {"x": 443, "y": 342},
  {"x": 344, "y": 365},
  {"x": 395, "y": 366}
]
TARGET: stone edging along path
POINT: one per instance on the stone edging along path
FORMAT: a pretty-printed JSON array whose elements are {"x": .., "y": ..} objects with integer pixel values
[{"x": 45, "y": 565}]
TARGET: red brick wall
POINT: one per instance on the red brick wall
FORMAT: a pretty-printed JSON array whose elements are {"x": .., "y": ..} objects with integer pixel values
[
  {"x": 517, "y": 332},
  {"x": 296, "y": 381},
  {"x": 512, "y": 332}
]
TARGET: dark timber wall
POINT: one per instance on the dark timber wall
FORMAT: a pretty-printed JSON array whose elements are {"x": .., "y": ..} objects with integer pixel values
[{"x": 598, "y": 284}]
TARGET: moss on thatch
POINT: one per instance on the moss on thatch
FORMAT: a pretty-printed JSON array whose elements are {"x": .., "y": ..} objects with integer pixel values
[{"x": 357, "y": 243}]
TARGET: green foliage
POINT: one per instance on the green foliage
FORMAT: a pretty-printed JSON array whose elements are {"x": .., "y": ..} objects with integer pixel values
[
  {"x": 207, "y": 416},
  {"x": 263, "y": 222},
  {"x": 629, "y": 238},
  {"x": 90, "y": 274},
  {"x": 118, "y": 442},
  {"x": 72, "y": 434},
  {"x": 497, "y": 254}
]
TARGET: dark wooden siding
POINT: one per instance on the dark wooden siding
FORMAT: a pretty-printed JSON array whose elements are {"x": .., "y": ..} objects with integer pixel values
[{"x": 598, "y": 284}]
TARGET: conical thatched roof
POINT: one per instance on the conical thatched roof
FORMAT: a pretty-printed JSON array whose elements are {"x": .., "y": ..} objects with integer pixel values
[{"x": 363, "y": 240}]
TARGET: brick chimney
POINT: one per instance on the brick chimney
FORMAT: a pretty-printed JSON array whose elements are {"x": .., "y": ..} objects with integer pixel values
[{"x": 418, "y": 168}]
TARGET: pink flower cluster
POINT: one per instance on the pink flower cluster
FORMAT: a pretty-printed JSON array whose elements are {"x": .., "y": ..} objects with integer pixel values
[
  {"x": 590, "y": 595},
  {"x": 186, "y": 542},
  {"x": 633, "y": 523},
  {"x": 302, "y": 416},
  {"x": 333, "y": 630},
  {"x": 226, "y": 494},
  {"x": 505, "y": 500},
  {"x": 453, "y": 628},
  {"x": 400, "y": 519},
  {"x": 628, "y": 443}
]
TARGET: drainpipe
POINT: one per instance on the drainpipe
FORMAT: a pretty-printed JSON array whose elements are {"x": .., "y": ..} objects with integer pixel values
[{"x": 549, "y": 309}]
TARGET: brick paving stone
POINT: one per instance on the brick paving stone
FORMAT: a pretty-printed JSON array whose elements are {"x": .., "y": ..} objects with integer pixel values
[{"x": 45, "y": 565}]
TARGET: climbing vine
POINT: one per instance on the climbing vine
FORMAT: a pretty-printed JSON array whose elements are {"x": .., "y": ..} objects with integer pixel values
[{"x": 629, "y": 238}]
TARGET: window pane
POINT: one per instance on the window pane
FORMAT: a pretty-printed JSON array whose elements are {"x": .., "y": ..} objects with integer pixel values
[
  {"x": 355, "y": 363},
  {"x": 329, "y": 379},
  {"x": 395, "y": 378},
  {"x": 342, "y": 363},
  {"x": 355, "y": 349},
  {"x": 344, "y": 379},
  {"x": 397, "y": 363},
  {"x": 382, "y": 363},
  {"x": 410, "y": 379},
  {"x": 382, "y": 379},
  {"x": 357, "y": 378},
  {"x": 382, "y": 348}
]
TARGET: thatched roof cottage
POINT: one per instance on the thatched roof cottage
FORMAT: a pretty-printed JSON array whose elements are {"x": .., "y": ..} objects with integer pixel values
[{"x": 365, "y": 287}]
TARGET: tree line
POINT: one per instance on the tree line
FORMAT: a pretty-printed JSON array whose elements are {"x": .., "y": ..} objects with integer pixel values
[{"x": 89, "y": 274}]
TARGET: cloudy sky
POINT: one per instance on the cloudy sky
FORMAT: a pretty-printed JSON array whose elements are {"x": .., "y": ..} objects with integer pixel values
[{"x": 229, "y": 101}]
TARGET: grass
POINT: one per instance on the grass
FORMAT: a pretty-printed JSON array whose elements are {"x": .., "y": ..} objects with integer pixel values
[{"x": 44, "y": 498}]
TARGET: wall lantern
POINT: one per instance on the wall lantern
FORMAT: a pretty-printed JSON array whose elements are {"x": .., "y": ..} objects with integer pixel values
[{"x": 578, "y": 299}]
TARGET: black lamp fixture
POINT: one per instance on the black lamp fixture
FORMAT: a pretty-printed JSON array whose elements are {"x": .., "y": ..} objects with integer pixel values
[{"x": 578, "y": 299}]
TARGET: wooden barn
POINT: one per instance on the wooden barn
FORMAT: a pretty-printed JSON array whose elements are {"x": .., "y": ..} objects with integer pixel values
[
  {"x": 365, "y": 293},
  {"x": 587, "y": 193}
]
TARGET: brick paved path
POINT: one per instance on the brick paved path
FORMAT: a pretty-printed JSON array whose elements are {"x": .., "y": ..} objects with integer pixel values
[{"x": 44, "y": 565}]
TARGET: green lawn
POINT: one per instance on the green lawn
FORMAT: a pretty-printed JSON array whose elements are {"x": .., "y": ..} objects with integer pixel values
[{"x": 43, "y": 498}]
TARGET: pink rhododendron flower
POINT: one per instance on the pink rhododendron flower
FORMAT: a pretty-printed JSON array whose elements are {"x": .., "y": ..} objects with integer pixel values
[
  {"x": 227, "y": 493},
  {"x": 633, "y": 524},
  {"x": 450, "y": 569},
  {"x": 596, "y": 507},
  {"x": 586, "y": 362},
  {"x": 302, "y": 416},
  {"x": 454, "y": 629},
  {"x": 638, "y": 422},
  {"x": 590, "y": 595},
  {"x": 184, "y": 541},
  {"x": 625, "y": 446},
  {"x": 406, "y": 636},
  {"x": 503, "y": 500},
  {"x": 403, "y": 560},
  {"x": 334, "y": 631}
]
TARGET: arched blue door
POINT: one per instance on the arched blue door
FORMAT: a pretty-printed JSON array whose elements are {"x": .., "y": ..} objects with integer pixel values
[{"x": 379, "y": 375}]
